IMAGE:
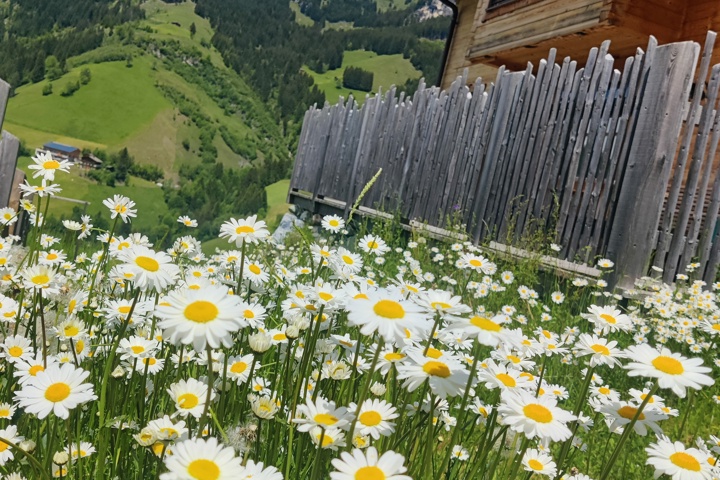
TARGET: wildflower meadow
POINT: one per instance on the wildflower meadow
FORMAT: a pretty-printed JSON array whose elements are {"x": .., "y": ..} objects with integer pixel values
[{"x": 374, "y": 355}]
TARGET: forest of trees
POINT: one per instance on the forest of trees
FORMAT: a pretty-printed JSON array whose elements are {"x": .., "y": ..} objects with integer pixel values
[
  {"x": 357, "y": 79},
  {"x": 262, "y": 42}
]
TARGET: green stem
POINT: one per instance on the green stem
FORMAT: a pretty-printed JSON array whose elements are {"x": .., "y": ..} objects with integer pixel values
[{"x": 626, "y": 433}]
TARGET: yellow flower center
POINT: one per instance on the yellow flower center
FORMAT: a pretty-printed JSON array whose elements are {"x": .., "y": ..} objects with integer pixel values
[
  {"x": 514, "y": 358},
  {"x": 51, "y": 165},
  {"x": 121, "y": 209},
  {"x": 325, "y": 419},
  {"x": 604, "y": 390},
  {"x": 201, "y": 311},
  {"x": 608, "y": 318},
  {"x": 389, "y": 309},
  {"x": 370, "y": 418},
  {"x": 249, "y": 314},
  {"x": 124, "y": 309},
  {"x": 668, "y": 365},
  {"x": 188, "y": 400},
  {"x": 373, "y": 244},
  {"x": 4, "y": 412},
  {"x": 433, "y": 353},
  {"x": 538, "y": 413},
  {"x": 361, "y": 296},
  {"x": 151, "y": 361},
  {"x": 394, "y": 356},
  {"x": 630, "y": 412},
  {"x": 244, "y": 229},
  {"x": 325, "y": 296},
  {"x": 123, "y": 245},
  {"x": 15, "y": 351},
  {"x": 716, "y": 327},
  {"x": 436, "y": 369},
  {"x": 440, "y": 305},
  {"x": 3, "y": 446},
  {"x": 203, "y": 469},
  {"x": 370, "y": 473},
  {"x": 72, "y": 305},
  {"x": 602, "y": 349},
  {"x": 279, "y": 337},
  {"x": 506, "y": 379},
  {"x": 685, "y": 461},
  {"x": 485, "y": 324},
  {"x": 238, "y": 367},
  {"x": 535, "y": 465},
  {"x": 147, "y": 263},
  {"x": 137, "y": 349},
  {"x": 52, "y": 256},
  {"x": 475, "y": 262},
  {"x": 348, "y": 259},
  {"x": 333, "y": 222},
  {"x": 40, "y": 279},
  {"x": 255, "y": 269},
  {"x": 71, "y": 330},
  {"x": 57, "y": 392}
]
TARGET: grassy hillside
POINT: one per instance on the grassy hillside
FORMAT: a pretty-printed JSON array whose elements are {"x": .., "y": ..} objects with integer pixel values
[
  {"x": 300, "y": 17},
  {"x": 388, "y": 69},
  {"x": 117, "y": 103},
  {"x": 126, "y": 106}
]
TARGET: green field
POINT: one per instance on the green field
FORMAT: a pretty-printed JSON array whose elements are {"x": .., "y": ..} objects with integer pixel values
[
  {"x": 388, "y": 69},
  {"x": 118, "y": 102}
]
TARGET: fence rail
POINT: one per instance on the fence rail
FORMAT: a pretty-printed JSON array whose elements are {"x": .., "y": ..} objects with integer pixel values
[{"x": 617, "y": 163}]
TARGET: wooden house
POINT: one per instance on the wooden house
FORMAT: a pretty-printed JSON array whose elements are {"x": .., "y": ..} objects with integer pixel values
[
  {"x": 62, "y": 152},
  {"x": 491, "y": 33}
]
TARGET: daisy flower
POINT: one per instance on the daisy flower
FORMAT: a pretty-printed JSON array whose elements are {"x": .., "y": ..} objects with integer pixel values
[
  {"x": 535, "y": 417},
  {"x": 678, "y": 462},
  {"x": 375, "y": 418},
  {"x": 149, "y": 269},
  {"x": 244, "y": 230},
  {"x": 75, "y": 451},
  {"x": 367, "y": 465},
  {"x": 607, "y": 319},
  {"x": 238, "y": 368},
  {"x": 605, "y": 263},
  {"x": 10, "y": 434},
  {"x": 446, "y": 377},
  {"x": 165, "y": 429},
  {"x": 200, "y": 317},
  {"x": 538, "y": 462},
  {"x": 8, "y": 216},
  {"x": 333, "y": 223},
  {"x": 346, "y": 262},
  {"x": 459, "y": 453},
  {"x": 40, "y": 190},
  {"x": 57, "y": 389},
  {"x": 39, "y": 276},
  {"x": 321, "y": 413},
  {"x": 478, "y": 263},
  {"x": 189, "y": 397},
  {"x": 488, "y": 331},
  {"x": 120, "y": 205},
  {"x": 602, "y": 351},
  {"x": 672, "y": 370},
  {"x": 45, "y": 166},
  {"x": 201, "y": 459},
  {"x": 387, "y": 313},
  {"x": 7, "y": 411},
  {"x": 17, "y": 347},
  {"x": 443, "y": 303},
  {"x": 373, "y": 244},
  {"x": 187, "y": 221},
  {"x": 619, "y": 414},
  {"x": 330, "y": 438}
]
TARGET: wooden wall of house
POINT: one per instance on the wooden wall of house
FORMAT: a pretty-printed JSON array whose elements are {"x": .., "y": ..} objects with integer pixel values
[
  {"x": 659, "y": 18},
  {"x": 537, "y": 21}
]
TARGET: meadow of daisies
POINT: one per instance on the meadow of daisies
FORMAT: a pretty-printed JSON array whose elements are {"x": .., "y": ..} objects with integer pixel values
[{"x": 368, "y": 356}]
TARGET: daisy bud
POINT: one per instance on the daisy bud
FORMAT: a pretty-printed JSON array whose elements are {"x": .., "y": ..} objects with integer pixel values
[
  {"x": 61, "y": 458},
  {"x": 118, "y": 372},
  {"x": 259, "y": 342},
  {"x": 292, "y": 332},
  {"x": 378, "y": 389},
  {"x": 27, "y": 446},
  {"x": 63, "y": 348}
]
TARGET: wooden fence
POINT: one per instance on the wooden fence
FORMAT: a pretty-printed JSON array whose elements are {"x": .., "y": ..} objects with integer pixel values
[
  {"x": 619, "y": 164},
  {"x": 9, "y": 146}
]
